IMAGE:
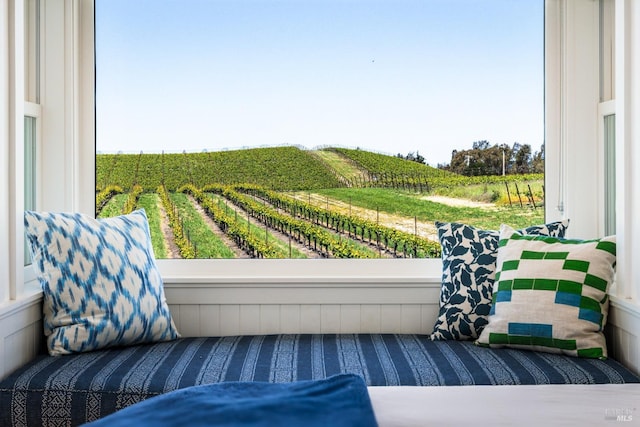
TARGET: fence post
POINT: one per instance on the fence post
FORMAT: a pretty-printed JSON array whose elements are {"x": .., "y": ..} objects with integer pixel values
[
  {"x": 533, "y": 202},
  {"x": 518, "y": 191},
  {"x": 508, "y": 194}
]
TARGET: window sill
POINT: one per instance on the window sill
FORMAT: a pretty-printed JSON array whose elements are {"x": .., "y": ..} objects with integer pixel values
[
  {"x": 328, "y": 272},
  {"x": 629, "y": 305},
  {"x": 31, "y": 295}
]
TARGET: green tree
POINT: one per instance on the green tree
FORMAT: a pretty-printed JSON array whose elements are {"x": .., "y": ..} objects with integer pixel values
[
  {"x": 482, "y": 159},
  {"x": 537, "y": 162},
  {"x": 486, "y": 159},
  {"x": 522, "y": 158}
]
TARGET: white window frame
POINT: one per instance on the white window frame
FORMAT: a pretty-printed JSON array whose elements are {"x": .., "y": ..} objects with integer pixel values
[
  {"x": 7, "y": 107},
  {"x": 68, "y": 152},
  {"x": 14, "y": 146},
  {"x": 65, "y": 167},
  {"x": 577, "y": 101},
  {"x": 294, "y": 270},
  {"x": 33, "y": 111},
  {"x": 627, "y": 96},
  {"x": 605, "y": 109},
  {"x": 32, "y": 60},
  {"x": 607, "y": 105}
]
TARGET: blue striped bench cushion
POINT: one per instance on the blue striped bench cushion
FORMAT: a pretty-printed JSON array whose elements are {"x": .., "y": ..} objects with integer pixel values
[{"x": 77, "y": 388}]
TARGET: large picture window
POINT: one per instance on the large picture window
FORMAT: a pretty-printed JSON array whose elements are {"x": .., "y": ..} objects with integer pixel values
[{"x": 320, "y": 129}]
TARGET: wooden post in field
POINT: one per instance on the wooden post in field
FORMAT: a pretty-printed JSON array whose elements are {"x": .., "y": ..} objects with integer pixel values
[
  {"x": 378, "y": 231},
  {"x": 518, "y": 191},
  {"x": 533, "y": 202},
  {"x": 508, "y": 194}
]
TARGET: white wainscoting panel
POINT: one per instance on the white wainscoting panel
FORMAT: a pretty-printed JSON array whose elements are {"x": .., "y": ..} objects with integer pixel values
[
  {"x": 623, "y": 333},
  {"x": 271, "y": 306},
  {"x": 21, "y": 334},
  {"x": 260, "y": 319}
]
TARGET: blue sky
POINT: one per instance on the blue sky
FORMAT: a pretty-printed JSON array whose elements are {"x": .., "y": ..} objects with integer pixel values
[{"x": 390, "y": 76}]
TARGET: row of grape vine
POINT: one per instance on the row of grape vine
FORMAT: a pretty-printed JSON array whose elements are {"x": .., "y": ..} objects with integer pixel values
[{"x": 387, "y": 238}]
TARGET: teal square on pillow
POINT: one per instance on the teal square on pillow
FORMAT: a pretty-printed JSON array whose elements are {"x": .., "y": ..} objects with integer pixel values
[
  {"x": 468, "y": 273},
  {"x": 100, "y": 281},
  {"x": 550, "y": 294}
]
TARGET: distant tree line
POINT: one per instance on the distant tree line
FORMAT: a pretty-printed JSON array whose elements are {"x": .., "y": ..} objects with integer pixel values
[{"x": 497, "y": 159}]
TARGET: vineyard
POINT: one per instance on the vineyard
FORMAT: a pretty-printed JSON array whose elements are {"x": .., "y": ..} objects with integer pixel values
[
  {"x": 281, "y": 168},
  {"x": 284, "y": 202},
  {"x": 382, "y": 171}
]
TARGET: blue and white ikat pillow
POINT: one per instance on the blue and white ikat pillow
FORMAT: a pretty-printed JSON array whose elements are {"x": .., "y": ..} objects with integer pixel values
[
  {"x": 100, "y": 281},
  {"x": 468, "y": 272}
]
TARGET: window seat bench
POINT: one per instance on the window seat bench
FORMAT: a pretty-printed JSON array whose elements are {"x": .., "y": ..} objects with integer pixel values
[{"x": 73, "y": 389}]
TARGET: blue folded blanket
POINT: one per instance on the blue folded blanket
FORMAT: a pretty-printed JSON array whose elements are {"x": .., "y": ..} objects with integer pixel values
[{"x": 340, "y": 400}]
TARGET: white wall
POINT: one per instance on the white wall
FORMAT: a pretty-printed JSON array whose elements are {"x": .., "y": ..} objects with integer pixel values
[{"x": 623, "y": 334}]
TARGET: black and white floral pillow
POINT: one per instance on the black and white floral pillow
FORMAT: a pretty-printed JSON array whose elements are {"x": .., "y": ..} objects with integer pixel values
[{"x": 468, "y": 273}]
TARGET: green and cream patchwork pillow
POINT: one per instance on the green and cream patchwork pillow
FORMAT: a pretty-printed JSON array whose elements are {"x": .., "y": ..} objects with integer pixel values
[{"x": 550, "y": 294}]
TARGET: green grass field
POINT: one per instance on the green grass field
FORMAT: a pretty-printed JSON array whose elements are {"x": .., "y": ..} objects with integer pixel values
[
  {"x": 413, "y": 205},
  {"x": 372, "y": 182},
  {"x": 114, "y": 206}
]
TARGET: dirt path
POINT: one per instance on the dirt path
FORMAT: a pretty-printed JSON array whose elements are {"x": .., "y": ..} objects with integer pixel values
[
  {"x": 344, "y": 168},
  {"x": 169, "y": 240},
  {"x": 424, "y": 229},
  {"x": 463, "y": 203}
]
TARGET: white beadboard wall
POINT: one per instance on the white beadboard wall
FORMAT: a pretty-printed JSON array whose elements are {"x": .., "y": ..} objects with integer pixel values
[
  {"x": 265, "y": 319},
  {"x": 623, "y": 333},
  {"x": 20, "y": 333},
  {"x": 299, "y": 307},
  {"x": 218, "y": 309}
]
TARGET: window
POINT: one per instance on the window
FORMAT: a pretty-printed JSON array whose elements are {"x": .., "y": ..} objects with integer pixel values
[
  {"x": 67, "y": 166},
  {"x": 20, "y": 122},
  {"x": 610, "y": 174},
  {"x": 607, "y": 111},
  {"x": 303, "y": 99},
  {"x": 29, "y": 172},
  {"x": 32, "y": 109},
  {"x": 32, "y": 51}
]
